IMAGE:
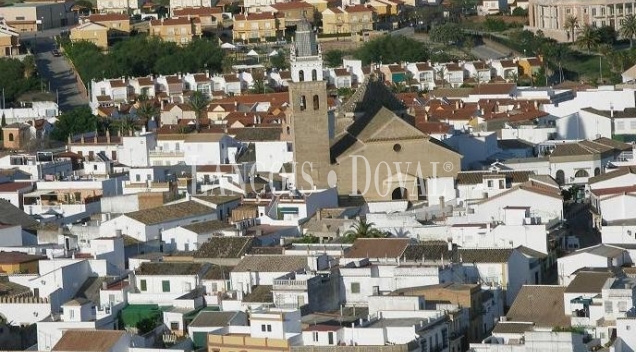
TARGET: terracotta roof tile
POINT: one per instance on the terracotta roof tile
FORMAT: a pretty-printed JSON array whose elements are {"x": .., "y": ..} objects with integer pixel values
[
  {"x": 542, "y": 305},
  {"x": 378, "y": 248},
  {"x": 89, "y": 340}
]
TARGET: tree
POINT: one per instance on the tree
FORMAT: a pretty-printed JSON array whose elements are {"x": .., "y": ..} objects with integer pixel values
[
  {"x": 495, "y": 24},
  {"x": 260, "y": 86},
  {"x": 279, "y": 61},
  {"x": 72, "y": 122},
  {"x": 125, "y": 124},
  {"x": 3, "y": 123},
  {"x": 14, "y": 80},
  {"x": 363, "y": 229},
  {"x": 571, "y": 24},
  {"x": 628, "y": 28},
  {"x": 520, "y": 12},
  {"x": 147, "y": 110},
  {"x": 199, "y": 104},
  {"x": 588, "y": 38},
  {"x": 392, "y": 49},
  {"x": 441, "y": 73},
  {"x": 333, "y": 58},
  {"x": 607, "y": 35},
  {"x": 557, "y": 54},
  {"x": 448, "y": 33},
  {"x": 317, "y": 20},
  {"x": 308, "y": 239},
  {"x": 145, "y": 325}
]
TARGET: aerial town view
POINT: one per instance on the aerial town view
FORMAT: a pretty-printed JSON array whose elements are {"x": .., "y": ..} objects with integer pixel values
[{"x": 318, "y": 175}]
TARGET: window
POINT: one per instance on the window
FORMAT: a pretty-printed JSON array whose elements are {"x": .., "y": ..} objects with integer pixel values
[
  {"x": 10, "y": 137},
  {"x": 165, "y": 286},
  {"x": 94, "y": 167},
  {"x": 490, "y": 184},
  {"x": 19, "y": 18},
  {"x": 355, "y": 287},
  {"x": 315, "y": 336},
  {"x": 138, "y": 178},
  {"x": 266, "y": 328},
  {"x": 620, "y": 125},
  {"x": 174, "y": 325},
  {"x": 303, "y": 103},
  {"x": 314, "y": 75},
  {"x": 71, "y": 313},
  {"x": 316, "y": 102},
  {"x": 301, "y": 76},
  {"x": 581, "y": 173},
  {"x": 142, "y": 285},
  {"x": 330, "y": 336},
  {"x": 609, "y": 308}
]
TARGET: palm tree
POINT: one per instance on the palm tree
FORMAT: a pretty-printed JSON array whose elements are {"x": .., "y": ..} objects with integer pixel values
[
  {"x": 363, "y": 229},
  {"x": 146, "y": 110},
  {"x": 442, "y": 74},
  {"x": 199, "y": 104},
  {"x": 124, "y": 124},
  {"x": 588, "y": 38},
  {"x": 628, "y": 28},
  {"x": 571, "y": 24}
]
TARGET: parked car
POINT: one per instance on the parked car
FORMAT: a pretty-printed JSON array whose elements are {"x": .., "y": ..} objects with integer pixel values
[{"x": 57, "y": 53}]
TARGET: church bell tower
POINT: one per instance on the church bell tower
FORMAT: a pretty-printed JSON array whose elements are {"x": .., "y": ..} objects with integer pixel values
[{"x": 309, "y": 110}]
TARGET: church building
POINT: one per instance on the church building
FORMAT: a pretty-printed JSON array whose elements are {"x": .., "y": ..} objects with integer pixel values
[{"x": 369, "y": 146}]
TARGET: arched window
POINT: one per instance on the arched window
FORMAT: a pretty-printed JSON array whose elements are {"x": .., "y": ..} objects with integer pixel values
[
  {"x": 288, "y": 130},
  {"x": 581, "y": 173},
  {"x": 10, "y": 137},
  {"x": 314, "y": 75},
  {"x": 560, "y": 177},
  {"x": 303, "y": 103},
  {"x": 597, "y": 171},
  {"x": 316, "y": 102},
  {"x": 301, "y": 76}
]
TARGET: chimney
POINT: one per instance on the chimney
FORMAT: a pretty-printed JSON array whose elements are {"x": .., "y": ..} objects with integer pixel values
[
  {"x": 104, "y": 285},
  {"x": 69, "y": 139},
  {"x": 318, "y": 215},
  {"x": 123, "y": 79},
  {"x": 143, "y": 129},
  {"x": 118, "y": 133},
  {"x": 207, "y": 73}
]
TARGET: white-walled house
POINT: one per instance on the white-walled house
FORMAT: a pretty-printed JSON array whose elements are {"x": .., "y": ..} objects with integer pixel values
[
  {"x": 148, "y": 224},
  {"x": 194, "y": 149},
  {"x": 546, "y": 200},
  {"x": 162, "y": 282},
  {"x": 600, "y": 256},
  {"x": 190, "y": 237},
  {"x": 257, "y": 270},
  {"x": 508, "y": 268}
]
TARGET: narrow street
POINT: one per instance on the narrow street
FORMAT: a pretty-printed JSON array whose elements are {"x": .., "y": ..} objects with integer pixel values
[{"x": 56, "y": 70}]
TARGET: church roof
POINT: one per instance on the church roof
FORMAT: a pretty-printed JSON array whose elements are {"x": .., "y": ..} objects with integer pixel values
[
  {"x": 384, "y": 125},
  {"x": 372, "y": 95}
]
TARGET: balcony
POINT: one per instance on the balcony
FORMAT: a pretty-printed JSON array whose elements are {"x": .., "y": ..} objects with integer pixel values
[{"x": 285, "y": 284}]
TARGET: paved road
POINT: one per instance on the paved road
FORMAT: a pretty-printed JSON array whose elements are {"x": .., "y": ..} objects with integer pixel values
[
  {"x": 484, "y": 52},
  {"x": 56, "y": 69}
]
